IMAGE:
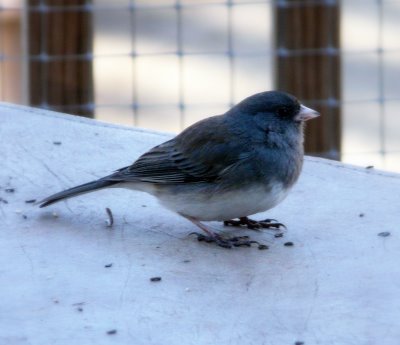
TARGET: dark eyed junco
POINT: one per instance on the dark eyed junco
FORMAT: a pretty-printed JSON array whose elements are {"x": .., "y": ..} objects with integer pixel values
[{"x": 227, "y": 166}]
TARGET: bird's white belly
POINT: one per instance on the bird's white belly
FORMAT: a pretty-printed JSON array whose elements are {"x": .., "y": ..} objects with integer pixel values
[{"x": 224, "y": 205}]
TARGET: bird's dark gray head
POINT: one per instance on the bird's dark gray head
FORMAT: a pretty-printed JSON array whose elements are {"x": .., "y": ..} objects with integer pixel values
[
  {"x": 272, "y": 118},
  {"x": 274, "y": 104},
  {"x": 273, "y": 110}
]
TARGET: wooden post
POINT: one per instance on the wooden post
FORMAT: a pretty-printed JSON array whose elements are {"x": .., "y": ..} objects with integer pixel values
[
  {"x": 308, "y": 66},
  {"x": 10, "y": 47},
  {"x": 60, "y": 48}
]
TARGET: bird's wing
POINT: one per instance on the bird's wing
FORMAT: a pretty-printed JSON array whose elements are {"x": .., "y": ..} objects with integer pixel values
[{"x": 201, "y": 153}]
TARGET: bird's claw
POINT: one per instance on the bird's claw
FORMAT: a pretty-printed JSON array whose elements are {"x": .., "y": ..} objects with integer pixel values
[
  {"x": 255, "y": 224},
  {"x": 237, "y": 241}
]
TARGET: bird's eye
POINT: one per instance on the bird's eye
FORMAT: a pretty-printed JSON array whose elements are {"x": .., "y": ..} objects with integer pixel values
[{"x": 283, "y": 111}]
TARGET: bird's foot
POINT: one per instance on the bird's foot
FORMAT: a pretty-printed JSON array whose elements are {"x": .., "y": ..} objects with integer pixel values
[
  {"x": 237, "y": 241},
  {"x": 212, "y": 237},
  {"x": 255, "y": 224}
]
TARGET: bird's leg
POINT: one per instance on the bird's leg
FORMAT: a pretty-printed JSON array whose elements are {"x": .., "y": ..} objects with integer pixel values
[
  {"x": 212, "y": 237},
  {"x": 255, "y": 224}
]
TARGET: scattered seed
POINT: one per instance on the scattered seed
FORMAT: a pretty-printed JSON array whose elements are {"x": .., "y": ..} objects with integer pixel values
[
  {"x": 361, "y": 215},
  {"x": 108, "y": 265},
  {"x": 288, "y": 244},
  {"x": 4, "y": 201},
  {"x": 262, "y": 247},
  {"x": 30, "y": 201},
  {"x": 57, "y": 142},
  {"x": 9, "y": 190},
  {"x": 80, "y": 309},
  {"x": 384, "y": 234},
  {"x": 155, "y": 279},
  {"x": 112, "y": 331},
  {"x": 369, "y": 167},
  {"x": 24, "y": 216},
  {"x": 110, "y": 220},
  {"x": 78, "y": 304},
  {"x": 144, "y": 205},
  {"x": 186, "y": 261},
  {"x": 299, "y": 343},
  {"x": 279, "y": 235}
]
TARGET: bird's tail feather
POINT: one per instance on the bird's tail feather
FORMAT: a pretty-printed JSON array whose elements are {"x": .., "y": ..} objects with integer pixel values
[{"x": 78, "y": 190}]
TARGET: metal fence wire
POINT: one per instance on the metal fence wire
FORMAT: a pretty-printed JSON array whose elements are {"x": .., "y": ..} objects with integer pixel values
[{"x": 165, "y": 64}]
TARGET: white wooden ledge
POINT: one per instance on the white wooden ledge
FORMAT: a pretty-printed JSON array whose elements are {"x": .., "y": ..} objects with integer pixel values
[{"x": 338, "y": 284}]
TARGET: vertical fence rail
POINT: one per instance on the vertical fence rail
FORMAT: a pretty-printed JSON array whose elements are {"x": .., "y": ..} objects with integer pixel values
[
  {"x": 308, "y": 65},
  {"x": 10, "y": 48},
  {"x": 60, "y": 49}
]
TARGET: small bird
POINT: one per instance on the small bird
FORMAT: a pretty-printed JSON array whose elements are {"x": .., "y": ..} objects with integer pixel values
[{"x": 221, "y": 168}]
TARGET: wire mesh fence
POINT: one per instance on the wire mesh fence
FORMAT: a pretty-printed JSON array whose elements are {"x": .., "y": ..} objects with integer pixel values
[
  {"x": 371, "y": 70},
  {"x": 168, "y": 63},
  {"x": 184, "y": 60}
]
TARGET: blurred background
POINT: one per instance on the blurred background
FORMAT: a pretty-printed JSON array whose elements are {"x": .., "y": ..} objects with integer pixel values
[{"x": 165, "y": 64}]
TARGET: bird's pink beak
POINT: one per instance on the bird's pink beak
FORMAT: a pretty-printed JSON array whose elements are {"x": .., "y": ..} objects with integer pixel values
[{"x": 306, "y": 114}]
